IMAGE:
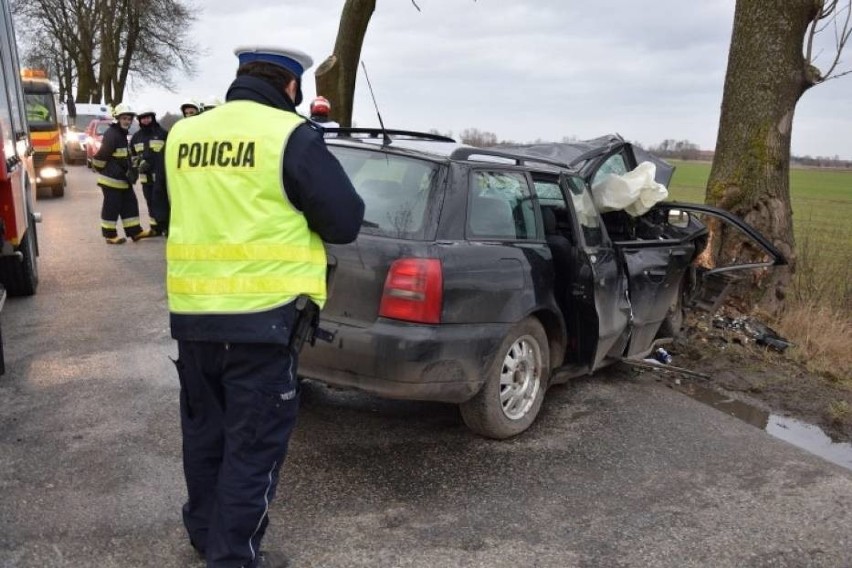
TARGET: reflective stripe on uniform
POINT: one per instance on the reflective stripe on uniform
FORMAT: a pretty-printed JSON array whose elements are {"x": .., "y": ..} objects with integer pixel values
[
  {"x": 108, "y": 224},
  {"x": 247, "y": 251},
  {"x": 139, "y": 146},
  {"x": 107, "y": 181},
  {"x": 285, "y": 286},
  {"x": 156, "y": 145},
  {"x": 100, "y": 164},
  {"x": 120, "y": 153}
]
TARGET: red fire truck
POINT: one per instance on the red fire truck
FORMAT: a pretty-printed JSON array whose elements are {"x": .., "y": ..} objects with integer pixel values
[{"x": 18, "y": 241}]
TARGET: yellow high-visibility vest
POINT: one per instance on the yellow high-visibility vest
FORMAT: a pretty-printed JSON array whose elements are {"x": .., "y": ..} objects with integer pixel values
[{"x": 236, "y": 244}]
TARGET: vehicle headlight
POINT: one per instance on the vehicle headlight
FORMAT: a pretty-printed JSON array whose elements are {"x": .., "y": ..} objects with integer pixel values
[{"x": 50, "y": 172}]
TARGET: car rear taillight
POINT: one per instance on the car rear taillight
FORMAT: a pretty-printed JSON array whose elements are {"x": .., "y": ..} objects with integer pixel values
[{"x": 414, "y": 291}]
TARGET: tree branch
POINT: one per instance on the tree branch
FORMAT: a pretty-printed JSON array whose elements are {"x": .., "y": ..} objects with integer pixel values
[{"x": 828, "y": 14}]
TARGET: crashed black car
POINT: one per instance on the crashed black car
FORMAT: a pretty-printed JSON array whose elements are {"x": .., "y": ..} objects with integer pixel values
[{"x": 483, "y": 276}]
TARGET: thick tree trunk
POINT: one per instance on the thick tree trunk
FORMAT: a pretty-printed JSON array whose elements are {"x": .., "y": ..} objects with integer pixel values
[
  {"x": 87, "y": 84},
  {"x": 750, "y": 176},
  {"x": 335, "y": 77}
]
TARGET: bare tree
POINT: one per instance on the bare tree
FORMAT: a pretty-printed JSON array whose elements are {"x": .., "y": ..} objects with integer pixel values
[
  {"x": 100, "y": 44},
  {"x": 335, "y": 77},
  {"x": 478, "y": 138},
  {"x": 71, "y": 26},
  {"x": 771, "y": 64},
  {"x": 146, "y": 39}
]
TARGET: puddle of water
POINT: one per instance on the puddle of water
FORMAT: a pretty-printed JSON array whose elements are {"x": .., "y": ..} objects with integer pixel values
[
  {"x": 811, "y": 438},
  {"x": 802, "y": 435}
]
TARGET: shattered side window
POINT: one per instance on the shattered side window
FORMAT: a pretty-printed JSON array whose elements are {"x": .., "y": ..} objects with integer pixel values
[
  {"x": 501, "y": 206},
  {"x": 587, "y": 214},
  {"x": 548, "y": 193},
  {"x": 614, "y": 165}
]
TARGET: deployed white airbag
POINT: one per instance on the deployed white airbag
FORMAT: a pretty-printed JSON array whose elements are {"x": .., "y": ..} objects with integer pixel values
[{"x": 634, "y": 192}]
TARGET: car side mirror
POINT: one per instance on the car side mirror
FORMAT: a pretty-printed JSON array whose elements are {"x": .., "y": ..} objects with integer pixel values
[{"x": 678, "y": 218}]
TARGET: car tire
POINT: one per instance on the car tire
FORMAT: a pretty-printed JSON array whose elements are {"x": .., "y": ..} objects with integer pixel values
[
  {"x": 20, "y": 277},
  {"x": 515, "y": 382}
]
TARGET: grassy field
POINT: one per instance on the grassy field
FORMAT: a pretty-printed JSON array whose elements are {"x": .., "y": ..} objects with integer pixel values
[
  {"x": 822, "y": 204},
  {"x": 822, "y": 199}
]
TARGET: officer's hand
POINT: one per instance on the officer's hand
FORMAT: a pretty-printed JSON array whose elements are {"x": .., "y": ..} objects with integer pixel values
[{"x": 144, "y": 167}]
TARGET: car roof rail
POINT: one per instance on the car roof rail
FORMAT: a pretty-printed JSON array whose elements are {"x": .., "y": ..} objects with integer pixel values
[
  {"x": 519, "y": 159},
  {"x": 343, "y": 132}
]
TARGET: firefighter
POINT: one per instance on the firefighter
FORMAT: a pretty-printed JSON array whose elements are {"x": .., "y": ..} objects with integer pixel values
[
  {"x": 190, "y": 108},
  {"x": 146, "y": 147},
  {"x": 320, "y": 109},
  {"x": 115, "y": 178},
  {"x": 210, "y": 103},
  {"x": 254, "y": 193}
]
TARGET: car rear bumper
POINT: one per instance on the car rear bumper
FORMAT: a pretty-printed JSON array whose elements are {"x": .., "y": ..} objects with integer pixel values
[{"x": 443, "y": 363}]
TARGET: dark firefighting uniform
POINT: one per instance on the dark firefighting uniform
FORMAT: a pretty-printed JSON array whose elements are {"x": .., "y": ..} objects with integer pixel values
[
  {"x": 146, "y": 147},
  {"x": 254, "y": 192},
  {"x": 112, "y": 162}
]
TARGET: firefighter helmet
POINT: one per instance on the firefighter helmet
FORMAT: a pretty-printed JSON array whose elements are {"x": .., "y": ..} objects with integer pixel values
[
  {"x": 123, "y": 108},
  {"x": 190, "y": 103},
  {"x": 320, "y": 106},
  {"x": 211, "y": 103},
  {"x": 146, "y": 111}
]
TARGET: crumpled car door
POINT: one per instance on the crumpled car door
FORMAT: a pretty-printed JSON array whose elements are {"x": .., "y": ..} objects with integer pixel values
[
  {"x": 710, "y": 286},
  {"x": 600, "y": 288}
]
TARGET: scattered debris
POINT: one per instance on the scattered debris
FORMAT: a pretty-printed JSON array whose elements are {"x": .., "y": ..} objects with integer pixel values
[
  {"x": 655, "y": 365},
  {"x": 761, "y": 334},
  {"x": 663, "y": 356}
]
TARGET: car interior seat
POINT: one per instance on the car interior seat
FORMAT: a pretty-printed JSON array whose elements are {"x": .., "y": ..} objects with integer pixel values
[
  {"x": 491, "y": 217},
  {"x": 563, "y": 255}
]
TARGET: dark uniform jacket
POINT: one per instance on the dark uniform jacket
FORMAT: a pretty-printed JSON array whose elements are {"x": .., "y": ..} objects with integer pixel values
[
  {"x": 316, "y": 185},
  {"x": 148, "y": 157},
  {"x": 114, "y": 139}
]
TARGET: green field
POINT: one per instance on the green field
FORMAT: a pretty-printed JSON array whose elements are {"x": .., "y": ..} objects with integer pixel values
[
  {"x": 822, "y": 201},
  {"x": 822, "y": 225}
]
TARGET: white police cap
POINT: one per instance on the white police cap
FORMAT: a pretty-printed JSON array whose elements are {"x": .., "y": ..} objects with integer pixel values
[{"x": 295, "y": 61}]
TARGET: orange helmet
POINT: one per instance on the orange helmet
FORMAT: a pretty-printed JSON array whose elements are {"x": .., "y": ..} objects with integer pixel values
[{"x": 320, "y": 106}]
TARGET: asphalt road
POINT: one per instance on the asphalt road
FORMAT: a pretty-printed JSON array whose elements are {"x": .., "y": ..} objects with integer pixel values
[{"x": 617, "y": 472}]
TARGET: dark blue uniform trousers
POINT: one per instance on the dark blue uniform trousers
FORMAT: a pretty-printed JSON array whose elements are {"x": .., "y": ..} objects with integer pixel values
[{"x": 238, "y": 407}]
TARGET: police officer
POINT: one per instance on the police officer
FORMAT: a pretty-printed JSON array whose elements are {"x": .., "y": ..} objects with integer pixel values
[
  {"x": 254, "y": 193},
  {"x": 146, "y": 147},
  {"x": 112, "y": 163}
]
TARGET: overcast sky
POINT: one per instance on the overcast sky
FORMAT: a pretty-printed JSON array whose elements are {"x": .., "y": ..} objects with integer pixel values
[{"x": 522, "y": 69}]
